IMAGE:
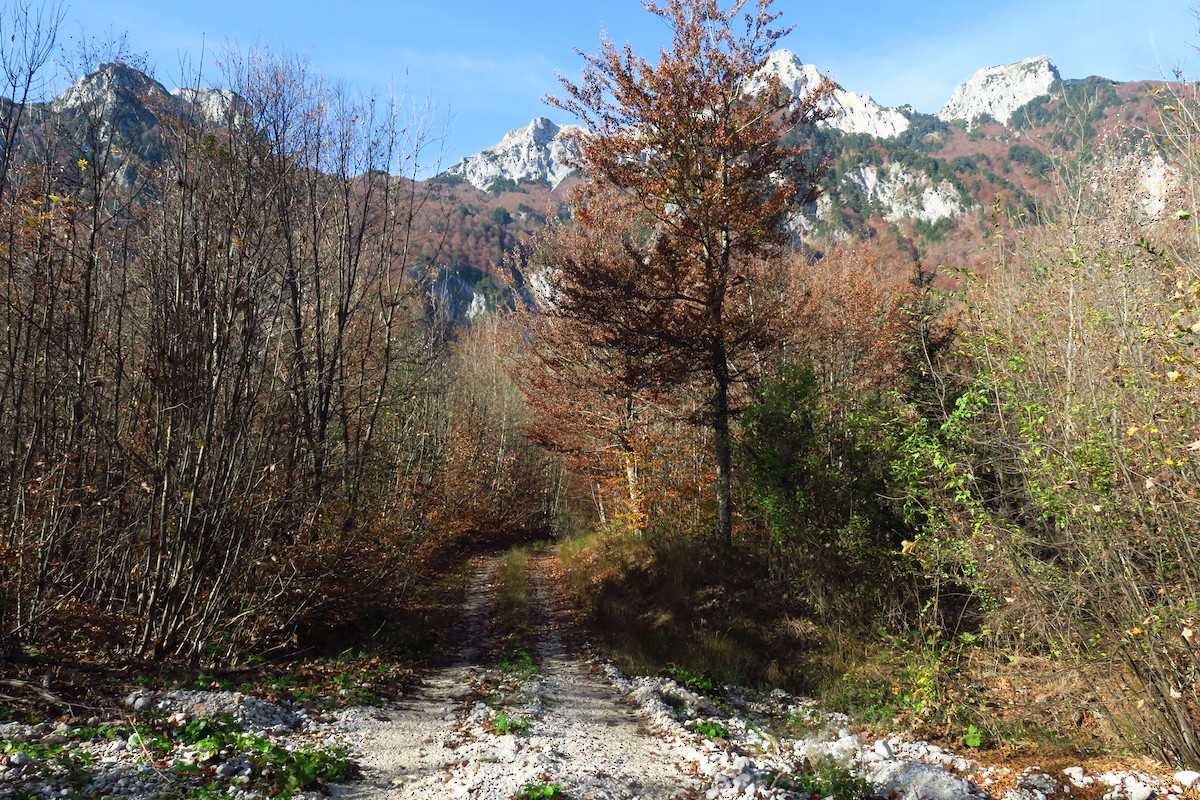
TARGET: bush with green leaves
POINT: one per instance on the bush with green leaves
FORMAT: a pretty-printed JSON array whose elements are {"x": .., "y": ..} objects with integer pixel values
[
  {"x": 506, "y": 724},
  {"x": 71, "y": 765},
  {"x": 690, "y": 678},
  {"x": 710, "y": 729},
  {"x": 826, "y": 780},
  {"x": 1055, "y": 497},
  {"x": 281, "y": 770},
  {"x": 817, "y": 476}
]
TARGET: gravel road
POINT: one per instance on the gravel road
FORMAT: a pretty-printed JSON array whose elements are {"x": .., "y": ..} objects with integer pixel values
[{"x": 583, "y": 733}]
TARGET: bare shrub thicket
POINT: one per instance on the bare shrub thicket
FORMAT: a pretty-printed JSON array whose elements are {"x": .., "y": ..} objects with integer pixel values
[{"x": 224, "y": 397}]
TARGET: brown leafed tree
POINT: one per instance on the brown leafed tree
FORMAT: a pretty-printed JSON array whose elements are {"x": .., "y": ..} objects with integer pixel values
[{"x": 687, "y": 193}]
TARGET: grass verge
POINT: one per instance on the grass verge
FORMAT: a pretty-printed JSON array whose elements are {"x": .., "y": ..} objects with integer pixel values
[{"x": 679, "y": 606}]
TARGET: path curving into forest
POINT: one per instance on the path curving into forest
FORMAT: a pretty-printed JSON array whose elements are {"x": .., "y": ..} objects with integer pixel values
[{"x": 583, "y": 733}]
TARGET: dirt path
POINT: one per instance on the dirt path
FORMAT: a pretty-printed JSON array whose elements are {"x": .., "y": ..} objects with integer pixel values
[
  {"x": 605, "y": 747},
  {"x": 580, "y": 731},
  {"x": 407, "y": 746}
]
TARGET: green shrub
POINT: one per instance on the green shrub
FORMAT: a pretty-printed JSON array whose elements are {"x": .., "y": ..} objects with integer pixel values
[
  {"x": 506, "y": 724},
  {"x": 710, "y": 729},
  {"x": 826, "y": 780}
]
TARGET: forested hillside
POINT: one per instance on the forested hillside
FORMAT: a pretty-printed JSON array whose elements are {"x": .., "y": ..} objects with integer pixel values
[{"x": 907, "y": 422}]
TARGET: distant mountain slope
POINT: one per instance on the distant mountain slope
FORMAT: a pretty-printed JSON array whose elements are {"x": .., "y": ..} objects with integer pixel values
[
  {"x": 852, "y": 112},
  {"x": 929, "y": 180},
  {"x": 540, "y": 153},
  {"x": 925, "y": 173}
]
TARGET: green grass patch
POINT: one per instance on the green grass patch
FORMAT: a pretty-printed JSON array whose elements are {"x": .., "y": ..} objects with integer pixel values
[
  {"x": 520, "y": 664},
  {"x": 514, "y": 604},
  {"x": 541, "y": 791},
  {"x": 676, "y": 598}
]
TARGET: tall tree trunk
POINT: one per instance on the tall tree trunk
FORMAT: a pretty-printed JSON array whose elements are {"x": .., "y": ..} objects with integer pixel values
[{"x": 722, "y": 445}]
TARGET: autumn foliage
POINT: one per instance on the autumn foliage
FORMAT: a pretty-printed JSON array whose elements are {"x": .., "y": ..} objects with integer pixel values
[
  {"x": 231, "y": 413},
  {"x": 686, "y": 194}
]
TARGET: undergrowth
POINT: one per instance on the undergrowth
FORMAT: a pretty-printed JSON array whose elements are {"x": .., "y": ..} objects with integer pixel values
[
  {"x": 677, "y": 604},
  {"x": 822, "y": 780},
  {"x": 506, "y": 724},
  {"x": 679, "y": 607},
  {"x": 275, "y": 770}
]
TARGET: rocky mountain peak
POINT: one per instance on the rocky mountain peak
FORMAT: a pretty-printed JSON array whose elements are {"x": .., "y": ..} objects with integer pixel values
[
  {"x": 112, "y": 85},
  {"x": 541, "y": 152},
  {"x": 215, "y": 107},
  {"x": 852, "y": 112},
  {"x": 121, "y": 89},
  {"x": 999, "y": 91}
]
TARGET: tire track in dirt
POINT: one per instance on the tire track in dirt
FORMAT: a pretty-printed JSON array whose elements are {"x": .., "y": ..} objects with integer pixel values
[
  {"x": 605, "y": 747},
  {"x": 407, "y": 746},
  {"x": 582, "y": 732}
]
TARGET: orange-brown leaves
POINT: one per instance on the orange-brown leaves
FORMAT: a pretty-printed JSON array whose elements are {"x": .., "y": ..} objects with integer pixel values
[
  {"x": 687, "y": 189},
  {"x": 853, "y": 320}
]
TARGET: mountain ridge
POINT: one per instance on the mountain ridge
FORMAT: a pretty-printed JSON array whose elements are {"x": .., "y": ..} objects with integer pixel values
[
  {"x": 928, "y": 179},
  {"x": 531, "y": 155}
]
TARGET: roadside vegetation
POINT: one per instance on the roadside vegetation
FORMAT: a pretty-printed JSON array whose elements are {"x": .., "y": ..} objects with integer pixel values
[{"x": 235, "y": 424}]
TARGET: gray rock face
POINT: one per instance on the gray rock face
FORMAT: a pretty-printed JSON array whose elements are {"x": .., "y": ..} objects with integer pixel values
[
  {"x": 540, "y": 153},
  {"x": 130, "y": 97},
  {"x": 114, "y": 85},
  {"x": 117, "y": 113},
  {"x": 999, "y": 91},
  {"x": 215, "y": 107},
  {"x": 852, "y": 112},
  {"x": 544, "y": 153},
  {"x": 903, "y": 194}
]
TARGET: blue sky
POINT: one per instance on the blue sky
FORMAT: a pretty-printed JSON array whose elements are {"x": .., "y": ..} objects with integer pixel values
[{"x": 485, "y": 66}]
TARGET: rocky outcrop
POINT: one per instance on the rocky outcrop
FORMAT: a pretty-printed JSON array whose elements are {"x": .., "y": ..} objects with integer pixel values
[
  {"x": 901, "y": 194},
  {"x": 540, "y": 153},
  {"x": 215, "y": 107},
  {"x": 120, "y": 109},
  {"x": 114, "y": 86},
  {"x": 851, "y": 112},
  {"x": 544, "y": 153},
  {"x": 999, "y": 91}
]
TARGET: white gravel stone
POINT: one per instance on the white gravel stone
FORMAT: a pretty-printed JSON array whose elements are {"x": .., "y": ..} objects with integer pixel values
[
  {"x": 916, "y": 780},
  {"x": 1136, "y": 790},
  {"x": 1187, "y": 778}
]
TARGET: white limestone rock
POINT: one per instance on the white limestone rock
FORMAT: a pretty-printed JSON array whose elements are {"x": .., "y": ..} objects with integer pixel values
[
  {"x": 544, "y": 153},
  {"x": 902, "y": 194},
  {"x": 999, "y": 91},
  {"x": 114, "y": 85},
  {"x": 1187, "y": 778},
  {"x": 915, "y": 780},
  {"x": 539, "y": 153},
  {"x": 852, "y": 112},
  {"x": 215, "y": 107}
]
